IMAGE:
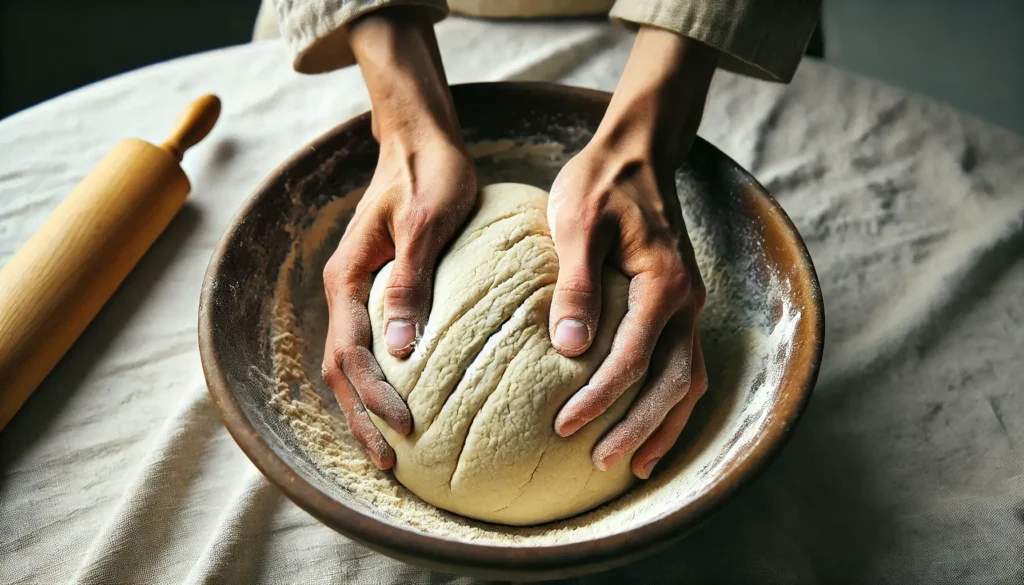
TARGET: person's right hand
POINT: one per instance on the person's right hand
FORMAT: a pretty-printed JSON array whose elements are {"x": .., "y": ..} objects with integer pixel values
[{"x": 421, "y": 193}]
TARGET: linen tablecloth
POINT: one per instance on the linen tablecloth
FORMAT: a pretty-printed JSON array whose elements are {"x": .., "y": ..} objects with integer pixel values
[{"x": 907, "y": 466}]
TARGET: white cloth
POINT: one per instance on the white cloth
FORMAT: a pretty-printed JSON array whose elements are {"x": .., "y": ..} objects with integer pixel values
[{"x": 907, "y": 466}]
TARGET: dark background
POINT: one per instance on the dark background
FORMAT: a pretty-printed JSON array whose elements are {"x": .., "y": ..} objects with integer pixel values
[
  {"x": 968, "y": 53},
  {"x": 48, "y": 47}
]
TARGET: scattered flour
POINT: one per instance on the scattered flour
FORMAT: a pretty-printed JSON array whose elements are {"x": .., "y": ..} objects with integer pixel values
[{"x": 745, "y": 349}]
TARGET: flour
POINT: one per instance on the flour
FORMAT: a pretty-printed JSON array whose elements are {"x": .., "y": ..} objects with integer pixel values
[{"x": 745, "y": 347}]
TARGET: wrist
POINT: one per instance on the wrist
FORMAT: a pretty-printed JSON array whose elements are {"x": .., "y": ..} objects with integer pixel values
[
  {"x": 659, "y": 101},
  {"x": 397, "y": 53}
]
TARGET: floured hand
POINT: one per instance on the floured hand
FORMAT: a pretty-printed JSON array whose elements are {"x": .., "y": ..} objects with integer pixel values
[
  {"x": 615, "y": 202},
  {"x": 421, "y": 193}
]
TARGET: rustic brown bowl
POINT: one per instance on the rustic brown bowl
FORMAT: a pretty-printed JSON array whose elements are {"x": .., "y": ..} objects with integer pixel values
[{"x": 234, "y": 325}]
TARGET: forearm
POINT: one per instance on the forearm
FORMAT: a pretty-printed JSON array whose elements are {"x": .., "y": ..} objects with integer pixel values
[
  {"x": 660, "y": 98},
  {"x": 401, "y": 64}
]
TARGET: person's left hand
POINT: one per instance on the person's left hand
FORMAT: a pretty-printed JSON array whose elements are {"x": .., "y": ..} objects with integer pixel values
[{"x": 615, "y": 202}]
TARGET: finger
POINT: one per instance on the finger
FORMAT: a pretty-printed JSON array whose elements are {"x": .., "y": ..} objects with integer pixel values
[
  {"x": 377, "y": 395},
  {"x": 348, "y": 283},
  {"x": 352, "y": 336},
  {"x": 655, "y": 447},
  {"x": 669, "y": 382},
  {"x": 628, "y": 360},
  {"x": 409, "y": 291},
  {"x": 576, "y": 304},
  {"x": 359, "y": 421}
]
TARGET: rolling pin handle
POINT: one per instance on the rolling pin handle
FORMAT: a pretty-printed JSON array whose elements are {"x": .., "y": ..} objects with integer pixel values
[{"x": 192, "y": 125}]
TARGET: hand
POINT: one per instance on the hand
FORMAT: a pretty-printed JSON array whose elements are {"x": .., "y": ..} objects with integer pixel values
[
  {"x": 615, "y": 202},
  {"x": 421, "y": 193}
]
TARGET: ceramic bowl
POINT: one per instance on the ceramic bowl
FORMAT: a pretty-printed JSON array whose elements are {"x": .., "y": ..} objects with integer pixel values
[{"x": 762, "y": 333}]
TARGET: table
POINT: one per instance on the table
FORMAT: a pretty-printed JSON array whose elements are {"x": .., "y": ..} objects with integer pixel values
[{"x": 907, "y": 467}]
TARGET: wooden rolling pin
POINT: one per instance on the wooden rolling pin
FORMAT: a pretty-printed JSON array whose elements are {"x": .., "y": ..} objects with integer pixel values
[{"x": 59, "y": 280}]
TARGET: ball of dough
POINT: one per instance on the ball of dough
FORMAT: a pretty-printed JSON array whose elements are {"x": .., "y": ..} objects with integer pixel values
[
  {"x": 484, "y": 384},
  {"x": 529, "y": 8}
]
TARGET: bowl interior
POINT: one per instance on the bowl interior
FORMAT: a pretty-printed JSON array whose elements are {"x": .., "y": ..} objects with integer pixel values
[{"x": 264, "y": 321}]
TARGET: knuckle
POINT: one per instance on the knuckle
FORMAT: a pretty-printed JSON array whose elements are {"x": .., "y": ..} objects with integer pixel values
[
  {"x": 642, "y": 218},
  {"x": 578, "y": 282},
  {"x": 578, "y": 219},
  {"x": 674, "y": 285},
  {"x": 399, "y": 296},
  {"x": 403, "y": 285},
  {"x": 677, "y": 281},
  {"x": 403, "y": 275},
  {"x": 331, "y": 272},
  {"x": 339, "y": 274},
  {"x": 589, "y": 215},
  {"x": 415, "y": 218},
  {"x": 339, "y": 355},
  {"x": 380, "y": 402},
  {"x": 372, "y": 399}
]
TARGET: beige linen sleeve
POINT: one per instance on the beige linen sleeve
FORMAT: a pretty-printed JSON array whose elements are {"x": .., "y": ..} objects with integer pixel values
[
  {"x": 761, "y": 38},
  {"x": 317, "y": 30}
]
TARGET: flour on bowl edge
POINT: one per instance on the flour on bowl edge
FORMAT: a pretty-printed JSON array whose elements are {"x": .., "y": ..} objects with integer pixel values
[{"x": 746, "y": 354}]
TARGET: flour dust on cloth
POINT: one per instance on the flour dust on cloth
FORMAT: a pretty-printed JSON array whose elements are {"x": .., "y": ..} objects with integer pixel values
[{"x": 484, "y": 383}]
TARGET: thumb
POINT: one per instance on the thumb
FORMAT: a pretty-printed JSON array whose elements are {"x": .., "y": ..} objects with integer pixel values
[
  {"x": 576, "y": 304},
  {"x": 407, "y": 297}
]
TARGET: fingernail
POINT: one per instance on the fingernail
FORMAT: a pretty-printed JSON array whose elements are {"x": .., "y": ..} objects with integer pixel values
[
  {"x": 649, "y": 467},
  {"x": 566, "y": 428},
  {"x": 399, "y": 334},
  {"x": 567, "y": 423},
  {"x": 571, "y": 334},
  {"x": 610, "y": 461}
]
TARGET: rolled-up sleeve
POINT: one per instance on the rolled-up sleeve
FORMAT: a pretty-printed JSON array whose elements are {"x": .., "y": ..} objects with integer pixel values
[
  {"x": 317, "y": 30},
  {"x": 762, "y": 38}
]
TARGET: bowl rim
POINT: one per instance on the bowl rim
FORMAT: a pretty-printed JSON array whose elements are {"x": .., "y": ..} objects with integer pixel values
[{"x": 447, "y": 554}]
